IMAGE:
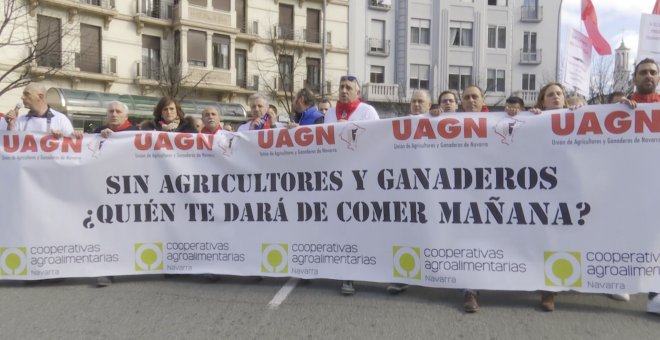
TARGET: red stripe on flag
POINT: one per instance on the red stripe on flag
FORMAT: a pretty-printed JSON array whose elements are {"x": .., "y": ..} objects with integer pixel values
[{"x": 591, "y": 23}]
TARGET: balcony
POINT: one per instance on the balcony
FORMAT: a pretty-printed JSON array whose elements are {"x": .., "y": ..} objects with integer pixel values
[
  {"x": 529, "y": 97},
  {"x": 380, "y": 92},
  {"x": 75, "y": 67},
  {"x": 248, "y": 83},
  {"x": 530, "y": 57},
  {"x": 531, "y": 13},
  {"x": 378, "y": 47},
  {"x": 196, "y": 16},
  {"x": 380, "y": 5},
  {"x": 153, "y": 13},
  {"x": 103, "y": 8},
  {"x": 149, "y": 70}
]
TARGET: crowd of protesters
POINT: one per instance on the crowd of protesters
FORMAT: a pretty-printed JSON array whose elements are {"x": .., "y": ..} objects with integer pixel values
[{"x": 168, "y": 116}]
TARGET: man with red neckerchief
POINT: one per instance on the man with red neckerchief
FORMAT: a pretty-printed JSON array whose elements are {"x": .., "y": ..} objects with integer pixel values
[
  {"x": 646, "y": 79},
  {"x": 211, "y": 120},
  {"x": 349, "y": 107},
  {"x": 116, "y": 120}
]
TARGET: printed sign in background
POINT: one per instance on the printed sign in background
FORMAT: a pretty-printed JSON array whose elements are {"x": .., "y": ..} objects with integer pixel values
[{"x": 483, "y": 201}]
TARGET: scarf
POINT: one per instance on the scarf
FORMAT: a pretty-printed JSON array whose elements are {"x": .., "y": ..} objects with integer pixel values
[
  {"x": 645, "y": 98},
  {"x": 171, "y": 126},
  {"x": 263, "y": 123},
  {"x": 207, "y": 131},
  {"x": 125, "y": 125},
  {"x": 345, "y": 110}
]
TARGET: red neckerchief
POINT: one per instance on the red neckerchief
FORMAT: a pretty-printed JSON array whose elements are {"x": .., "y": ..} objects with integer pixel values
[
  {"x": 205, "y": 130},
  {"x": 344, "y": 111},
  {"x": 485, "y": 109},
  {"x": 645, "y": 98},
  {"x": 125, "y": 125}
]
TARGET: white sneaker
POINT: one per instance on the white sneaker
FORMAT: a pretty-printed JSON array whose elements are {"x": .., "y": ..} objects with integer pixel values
[
  {"x": 347, "y": 288},
  {"x": 653, "y": 306},
  {"x": 620, "y": 297}
]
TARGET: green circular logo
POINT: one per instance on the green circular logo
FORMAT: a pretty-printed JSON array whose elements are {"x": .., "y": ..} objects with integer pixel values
[
  {"x": 275, "y": 258},
  {"x": 13, "y": 261},
  {"x": 407, "y": 262},
  {"x": 149, "y": 257}
]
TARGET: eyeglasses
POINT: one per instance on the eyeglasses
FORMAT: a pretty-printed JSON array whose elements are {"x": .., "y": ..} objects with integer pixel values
[{"x": 447, "y": 101}]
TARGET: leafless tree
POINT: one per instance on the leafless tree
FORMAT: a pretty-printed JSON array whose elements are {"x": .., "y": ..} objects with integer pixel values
[
  {"x": 176, "y": 82},
  {"x": 282, "y": 66},
  {"x": 41, "y": 47}
]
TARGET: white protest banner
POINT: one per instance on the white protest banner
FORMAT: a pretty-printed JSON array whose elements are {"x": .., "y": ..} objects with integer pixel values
[
  {"x": 555, "y": 201},
  {"x": 577, "y": 62},
  {"x": 649, "y": 37}
]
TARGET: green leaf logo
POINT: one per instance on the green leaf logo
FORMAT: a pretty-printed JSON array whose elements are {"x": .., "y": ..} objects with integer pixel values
[
  {"x": 407, "y": 263},
  {"x": 13, "y": 261},
  {"x": 563, "y": 269},
  {"x": 149, "y": 256},
  {"x": 275, "y": 258}
]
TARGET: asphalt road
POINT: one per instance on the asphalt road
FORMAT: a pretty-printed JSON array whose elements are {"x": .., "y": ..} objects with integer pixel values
[{"x": 191, "y": 307}]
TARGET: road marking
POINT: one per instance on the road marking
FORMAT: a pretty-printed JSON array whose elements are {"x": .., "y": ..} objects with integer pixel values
[{"x": 283, "y": 293}]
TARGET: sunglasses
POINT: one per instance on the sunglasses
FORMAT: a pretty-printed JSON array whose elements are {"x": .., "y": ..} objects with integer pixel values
[{"x": 349, "y": 78}]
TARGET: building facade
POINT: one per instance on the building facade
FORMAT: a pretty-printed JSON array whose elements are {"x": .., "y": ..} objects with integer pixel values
[
  {"x": 507, "y": 47},
  {"x": 219, "y": 50}
]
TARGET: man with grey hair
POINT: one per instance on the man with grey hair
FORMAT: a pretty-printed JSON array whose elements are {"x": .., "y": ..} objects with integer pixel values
[
  {"x": 211, "y": 120},
  {"x": 40, "y": 118},
  {"x": 116, "y": 119},
  {"x": 420, "y": 103},
  {"x": 116, "y": 116},
  {"x": 260, "y": 118}
]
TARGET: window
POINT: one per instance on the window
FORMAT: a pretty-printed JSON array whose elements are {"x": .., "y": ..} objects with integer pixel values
[
  {"x": 286, "y": 73},
  {"x": 528, "y": 82},
  {"x": 495, "y": 80},
  {"x": 496, "y": 36},
  {"x": 220, "y": 46},
  {"x": 222, "y": 5},
  {"x": 313, "y": 81},
  {"x": 459, "y": 77},
  {"x": 377, "y": 74},
  {"x": 196, "y": 48},
  {"x": 201, "y": 3},
  {"x": 313, "y": 26},
  {"x": 241, "y": 67},
  {"x": 529, "y": 42},
  {"x": 150, "y": 57},
  {"x": 377, "y": 36},
  {"x": 241, "y": 21},
  {"x": 91, "y": 2},
  {"x": 420, "y": 31},
  {"x": 460, "y": 33},
  {"x": 49, "y": 41},
  {"x": 498, "y": 2},
  {"x": 286, "y": 22},
  {"x": 419, "y": 76},
  {"x": 90, "y": 48},
  {"x": 177, "y": 47}
]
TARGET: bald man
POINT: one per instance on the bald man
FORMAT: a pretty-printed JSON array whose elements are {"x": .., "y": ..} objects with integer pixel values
[{"x": 40, "y": 118}]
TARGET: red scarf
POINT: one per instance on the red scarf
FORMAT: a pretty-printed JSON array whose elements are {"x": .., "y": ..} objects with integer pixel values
[
  {"x": 345, "y": 110},
  {"x": 125, "y": 125},
  {"x": 205, "y": 130},
  {"x": 485, "y": 109},
  {"x": 645, "y": 98}
]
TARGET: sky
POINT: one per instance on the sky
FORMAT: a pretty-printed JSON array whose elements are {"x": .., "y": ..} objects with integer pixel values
[{"x": 617, "y": 19}]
